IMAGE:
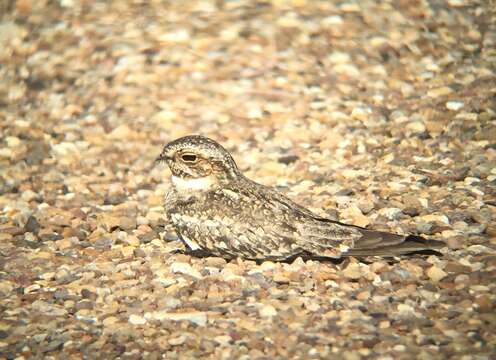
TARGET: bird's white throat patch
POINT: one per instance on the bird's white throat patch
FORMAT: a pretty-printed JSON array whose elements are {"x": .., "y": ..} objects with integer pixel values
[{"x": 203, "y": 183}]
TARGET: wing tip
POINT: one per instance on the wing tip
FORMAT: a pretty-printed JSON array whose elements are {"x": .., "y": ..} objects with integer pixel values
[{"x": 399, "y": 245}]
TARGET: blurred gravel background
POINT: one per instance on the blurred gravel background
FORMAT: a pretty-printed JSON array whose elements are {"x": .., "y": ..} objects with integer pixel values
[{"x": 377, "y": 113}]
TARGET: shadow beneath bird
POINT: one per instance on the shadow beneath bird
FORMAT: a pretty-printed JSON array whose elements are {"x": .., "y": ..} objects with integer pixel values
[{"x": 366, "y": 259}]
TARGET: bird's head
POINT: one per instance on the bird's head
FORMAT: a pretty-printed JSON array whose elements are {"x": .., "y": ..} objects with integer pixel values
[{"x": 196, "y": 159}]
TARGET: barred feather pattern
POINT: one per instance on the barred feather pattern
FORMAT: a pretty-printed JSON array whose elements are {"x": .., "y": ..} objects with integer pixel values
[{"x": 252, "y": 221}]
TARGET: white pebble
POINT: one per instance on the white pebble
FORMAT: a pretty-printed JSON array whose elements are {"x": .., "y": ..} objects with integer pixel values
[
  {"x": 137, "y": 320},
  {"x": 454, "y": 105}
]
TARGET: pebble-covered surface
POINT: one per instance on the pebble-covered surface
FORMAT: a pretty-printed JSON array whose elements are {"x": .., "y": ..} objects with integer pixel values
[{"x": 380, "y": 114}]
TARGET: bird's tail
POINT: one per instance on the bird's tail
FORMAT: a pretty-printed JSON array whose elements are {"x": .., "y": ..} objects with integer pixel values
[{"x": 378, "y": 243}]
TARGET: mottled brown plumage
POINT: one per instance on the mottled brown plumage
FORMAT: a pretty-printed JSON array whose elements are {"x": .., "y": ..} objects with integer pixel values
[{"x": 216, "y": 209}]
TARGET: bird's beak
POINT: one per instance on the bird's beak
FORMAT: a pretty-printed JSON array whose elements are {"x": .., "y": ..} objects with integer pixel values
[{"x": 162, "y": 157}]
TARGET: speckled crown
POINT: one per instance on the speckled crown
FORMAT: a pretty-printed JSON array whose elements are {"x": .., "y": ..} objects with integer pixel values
[{"x": 214, "y": 151}]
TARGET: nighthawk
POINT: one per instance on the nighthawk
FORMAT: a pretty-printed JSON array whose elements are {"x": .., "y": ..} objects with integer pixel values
[{"x": 215, "y": 209}]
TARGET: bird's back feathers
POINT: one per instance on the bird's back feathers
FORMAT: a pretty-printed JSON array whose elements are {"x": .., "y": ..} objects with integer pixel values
[{"x": 254, "y": 221}]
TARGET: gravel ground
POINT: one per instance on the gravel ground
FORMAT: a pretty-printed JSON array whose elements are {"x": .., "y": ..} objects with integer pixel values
[{"x": 380, "y": 114}]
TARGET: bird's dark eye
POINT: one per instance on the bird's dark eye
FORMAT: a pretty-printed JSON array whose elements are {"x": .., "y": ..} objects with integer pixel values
[{"x": 189, "y": 157}]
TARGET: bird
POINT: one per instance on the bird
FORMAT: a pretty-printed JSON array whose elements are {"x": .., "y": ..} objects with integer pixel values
[{"x": 218, "y": 211}]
